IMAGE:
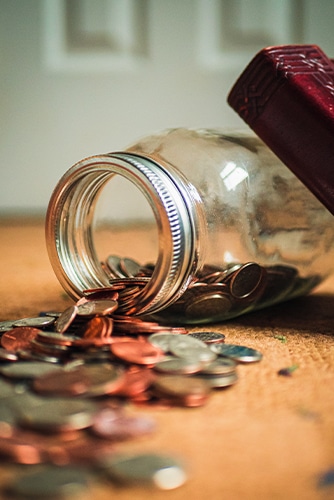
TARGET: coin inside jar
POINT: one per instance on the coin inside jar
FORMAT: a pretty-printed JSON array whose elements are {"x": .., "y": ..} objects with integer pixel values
[{"x": 247, "y": 280}]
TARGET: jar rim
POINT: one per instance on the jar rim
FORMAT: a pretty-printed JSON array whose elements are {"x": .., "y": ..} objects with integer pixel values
[{"x": 70, "y": 226}]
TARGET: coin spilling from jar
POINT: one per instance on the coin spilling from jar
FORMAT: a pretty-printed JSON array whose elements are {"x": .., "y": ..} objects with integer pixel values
[
  {"x": 65, "y": 379},
  {"x": 215, "y": 293}
]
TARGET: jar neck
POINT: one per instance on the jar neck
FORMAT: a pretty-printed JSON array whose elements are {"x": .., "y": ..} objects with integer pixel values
[{"x": 70, "y": 226}]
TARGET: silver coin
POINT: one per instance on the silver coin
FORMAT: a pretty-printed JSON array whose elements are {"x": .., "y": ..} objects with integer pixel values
[
  {"x": 220, "y": 366},
  {"x": 239, "y": 353},
  {"x": 65, "y": 319},
  {"x": 7, "y": 420},
  {"x": 208, "y": 337},
  {"x": 38, "y": 322},
  {"x": 129, "y": 267},
  {"x": 97, "y": 307},
  {"x": 162, "y": 471},
  {"x": 208, "y": 305},
  {"x": 24, "y": 370},
  {"x": 185, "y": 346},
  {"x": 219, "y": 381},
  {"x": 6, "y": 325},
  {"x": 6, "y": 355},
  {"x": 7, "y": 390},
  {"x": 48, "y": 482},
  {"x": 58, "y": 414},
  {"x": 113, "y": 265},
  {"x": 247, "y": 280},
  {"x": 175, "y": 365},
  {"x": 162, "y": 340}
]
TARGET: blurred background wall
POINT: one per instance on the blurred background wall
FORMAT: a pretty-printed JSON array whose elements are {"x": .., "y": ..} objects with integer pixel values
[{"x": 83, "y": 77}]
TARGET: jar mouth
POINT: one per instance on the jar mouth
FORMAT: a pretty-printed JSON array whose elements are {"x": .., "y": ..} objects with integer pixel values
[{"x": 70, "y": 227}]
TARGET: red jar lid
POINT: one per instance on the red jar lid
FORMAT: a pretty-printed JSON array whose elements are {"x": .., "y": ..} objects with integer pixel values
[{"x": 286, "y": 95}]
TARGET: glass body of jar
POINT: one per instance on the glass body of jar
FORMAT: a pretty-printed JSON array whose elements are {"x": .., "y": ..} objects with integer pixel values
[{"x": 237, "y": 231}]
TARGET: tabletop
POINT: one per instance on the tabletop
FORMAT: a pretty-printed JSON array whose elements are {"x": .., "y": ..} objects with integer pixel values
[{"x": 269, "y": 436}]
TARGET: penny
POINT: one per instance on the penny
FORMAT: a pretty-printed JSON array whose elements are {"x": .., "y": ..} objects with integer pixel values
[
  {"x": 136, "y": 382},
  {"x": 18, "y": 338},
  {"x": 138, "y": 352},
  {"x": 99, "y": 327},
  {"x": 239, "y": 353}
]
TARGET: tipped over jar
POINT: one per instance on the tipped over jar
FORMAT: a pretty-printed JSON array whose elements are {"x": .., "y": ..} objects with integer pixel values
[{"x": 236, "y": 230}]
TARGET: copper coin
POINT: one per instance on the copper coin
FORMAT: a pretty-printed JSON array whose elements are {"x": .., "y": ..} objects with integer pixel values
[
  {"x": 19, "y": 338},
  {"x": 138, "y": 352},
  {"x": 86, "y": 450},
  {"x": 136, "y": 381},
  {"x": 65, "y": 383},
  {"x": 99, "y": 327}
]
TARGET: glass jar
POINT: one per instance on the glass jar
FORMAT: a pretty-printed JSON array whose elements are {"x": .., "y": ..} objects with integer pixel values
[{"x": 236, "y": 230}]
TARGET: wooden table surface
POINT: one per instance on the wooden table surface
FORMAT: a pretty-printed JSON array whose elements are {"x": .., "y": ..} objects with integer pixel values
[{"x": 268, "y": 437}]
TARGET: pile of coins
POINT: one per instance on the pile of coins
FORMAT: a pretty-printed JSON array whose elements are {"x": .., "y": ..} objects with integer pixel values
[
  {"x": 65, "y": 379},
  {"x": 216, "y": 293}
]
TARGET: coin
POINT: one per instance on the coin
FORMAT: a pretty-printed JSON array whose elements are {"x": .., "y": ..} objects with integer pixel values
[
  {"x": 160, "y": 470},
  {"x": 58, "y": 415},
  {"x": 239, "y": 353},
  {"x": 219, "y": 381},
  {"x": 23, "y": 370},
  {"x": 177, "y": 365},
  {"x": 208, "y": 305},
  {"x": 48, "y": 482},
  {"x": 141, "y": 353},
  {"x": 115, "y": 425},
  {"x": 18, "y": 338},
  {"x": 220, "y": 366},
  {"x": 161, "y": 340},
  {"x": 6, "y": 325},
  {"x": 181, "y": 389},
  {"x": 247, "y": 280},
  {"x": 208, "y": 337},
  {"x": 39, "y": 322},
  {"x": 185, "y": 346},
  {"x": 95, "y": 307},
  {"x": 65, "y": 319}
]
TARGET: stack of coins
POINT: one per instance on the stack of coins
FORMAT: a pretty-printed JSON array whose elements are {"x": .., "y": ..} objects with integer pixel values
[
  {"x": 216, "y": 293},
  {"x": 65, "y": 378}
]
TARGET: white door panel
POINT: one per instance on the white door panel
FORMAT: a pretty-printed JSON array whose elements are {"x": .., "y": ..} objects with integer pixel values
[{"x": 82, "y": 77}]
